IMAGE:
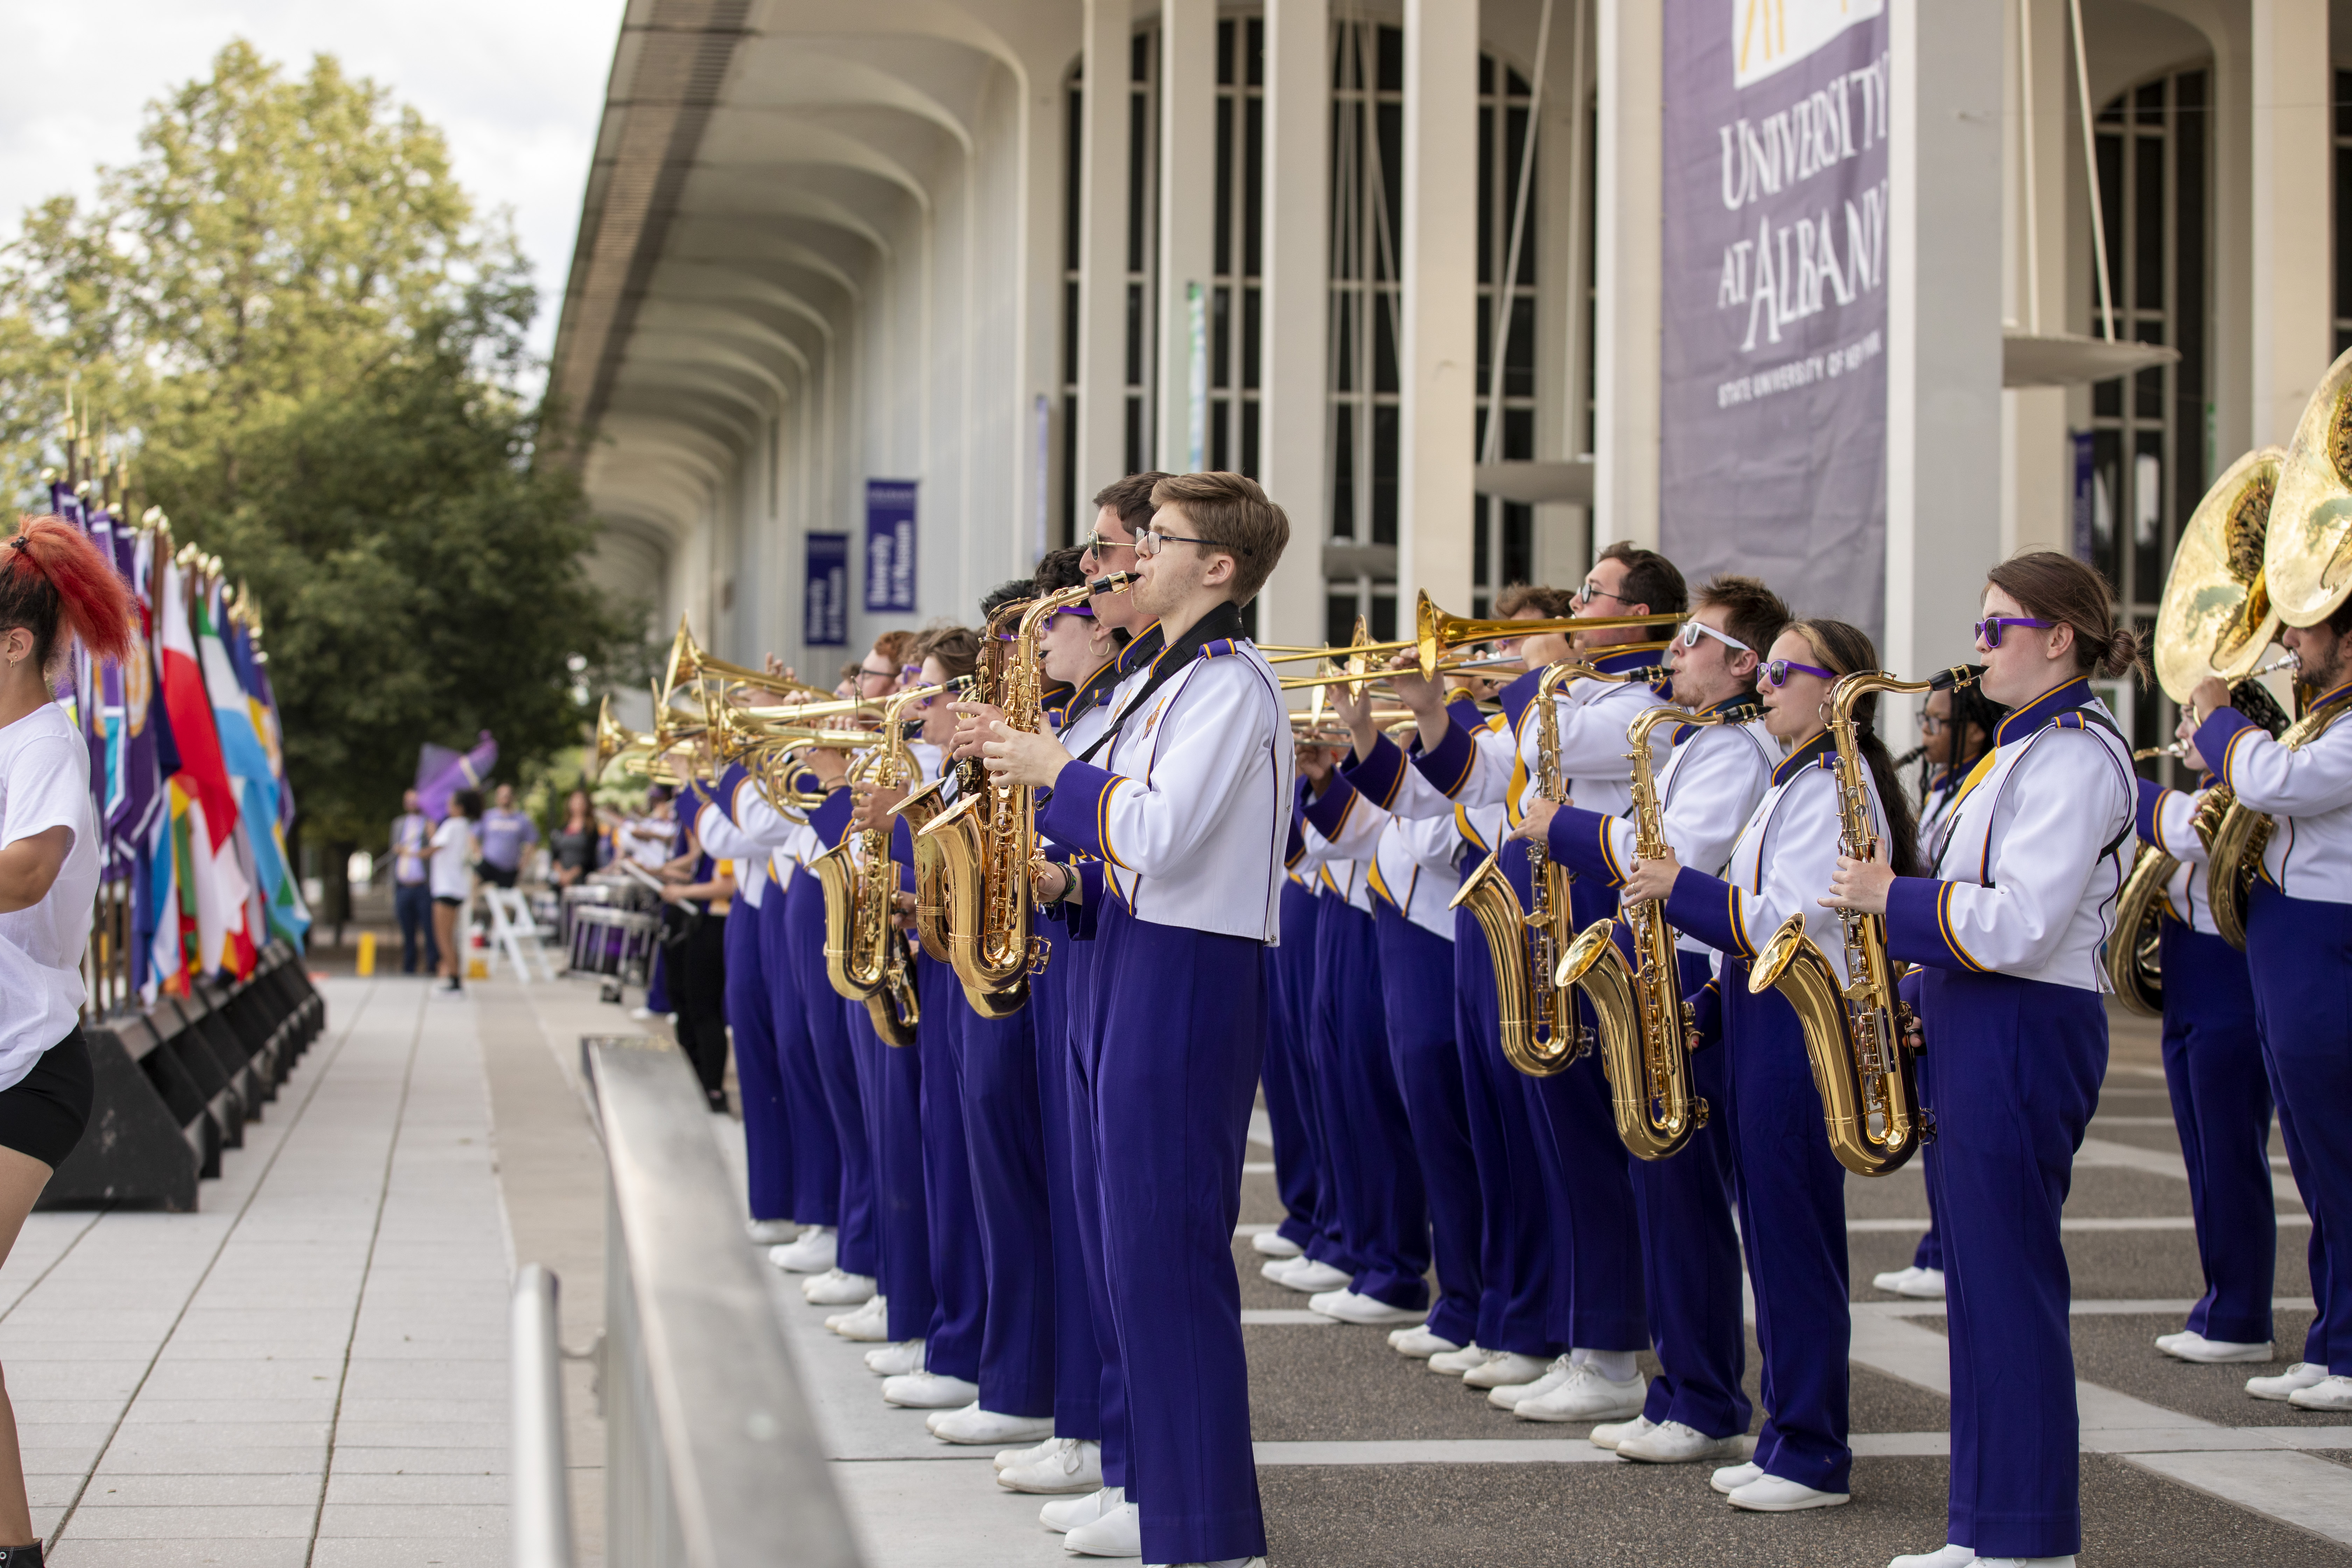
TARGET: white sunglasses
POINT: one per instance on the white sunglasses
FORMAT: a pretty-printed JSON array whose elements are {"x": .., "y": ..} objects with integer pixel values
[{"x": 1692, "y": 630}]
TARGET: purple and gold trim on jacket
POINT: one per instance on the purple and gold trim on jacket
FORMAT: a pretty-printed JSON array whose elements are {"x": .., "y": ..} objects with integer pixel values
[
  {"x": 1377, "y": 776},
  {"x": 1470, "y": 834},
  {"x": 1329, "y": 811},
  {"x": 2150, "y": 811},
  {"x": 1820, "y": 751},
  {"x": 1579, "y": 839},
  {"x": 1448, "y": 767},
  {"x": 1708, "y": 908},
  {"x": 1919, "y": 926},
  {"x": 831, "y": 818},
  {"x": 1294, "y": 847},
  {"x": 1079, "y": 814}
]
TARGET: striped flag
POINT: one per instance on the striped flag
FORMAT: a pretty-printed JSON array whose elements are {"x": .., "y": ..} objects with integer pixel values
[{"x": 223, "y": 941}]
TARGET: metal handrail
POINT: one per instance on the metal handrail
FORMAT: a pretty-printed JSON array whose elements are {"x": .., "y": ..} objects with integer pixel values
[
  {"x": 541, "y": 1514},
  {"x": 711, "y": 1452}
]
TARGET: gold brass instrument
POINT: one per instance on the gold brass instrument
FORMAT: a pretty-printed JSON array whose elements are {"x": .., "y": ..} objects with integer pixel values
[
  {"x": 635, "y": 755},
  {"x": 1644, "y": 1024},
  {"x": 1434, "y": 631},
  {"x": 983, "y": 845},
  {"x": 1538, "y": 1034},
  {"x": 688, "y": 664},
  {"x": 865, "y": 955},
  {"x": 2234, "y": 852},
  {"x": 1856, "y": 1032}
]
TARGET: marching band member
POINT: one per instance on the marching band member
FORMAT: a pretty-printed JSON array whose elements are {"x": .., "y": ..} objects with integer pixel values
[
  {"x": 751, "y": 1014},
  {"x": 1792, "y": 1189},
  {"x": 2298, "y": 941},
  {"x": 2008, "y": 931},
  {"x": 1708, "y": 787},
  {"x": 1188, "y": 813}
]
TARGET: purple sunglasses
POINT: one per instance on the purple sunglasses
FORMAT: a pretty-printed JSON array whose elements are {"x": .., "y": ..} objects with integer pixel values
[
  {"x": 1989, "y": 630},
  {"x": 1775, "y": 673}
]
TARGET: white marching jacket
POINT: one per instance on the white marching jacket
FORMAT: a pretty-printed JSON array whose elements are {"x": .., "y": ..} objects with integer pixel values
[
  {"x": 1411, "y": 863},
  {"x": 2164, "y": 821},
  {"x": 2309, "y": 793}
]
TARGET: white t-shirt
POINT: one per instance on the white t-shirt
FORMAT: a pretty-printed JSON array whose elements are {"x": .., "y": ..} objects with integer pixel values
[
  {"x": 453, "y": 858},
  {"x": 45, "y": 783}
]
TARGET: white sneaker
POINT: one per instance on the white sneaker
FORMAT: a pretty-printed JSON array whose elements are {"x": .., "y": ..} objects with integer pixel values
[
  {"x": 1349, "y": 1307},
  {"x": 2330, "y": 1393},
  {"x": 1771, "y": 1494},
  {"x": 1117, "y": 1534},
  {"x": 1011, "y": 1459},
  {"x": 1273, "y": 1243},
  {"x": 1418, "y": 1344},
  {"x": 2303, "y": 1375},
  {"x": 835, "y": 1288},
  {"x": 1731, "y": 1478},
  {"x": 769, "y": 1232},
  {"x": 1067, "y": 1465},
  {"x": 1586, "y": 1396},
  {"x": 866, "y": 1327},
  {"x": 1925, "y": 1285},
  {"x": 973, "y": 1428},
  {"x": 1508, "y": 1395},
  {"x": 1948, "y": 1555},
  {"x": 1077, "y": 1510},
  {"x": 2191, "y": 1346},
  {"x": 872, "y": 1307},
  {"x": 811, "y": 1254},
  {"x": 928, "y": 1390},
  {"x": 1673, "y": 1443},
  {"x": 1894, "y": 1279},
  {"x": 1504, "y": 1366},
  {"x": 896, "y": 1361},
  {"x": 1609, "y": 1434},
  {"x": 1455, "y": 1364},
  {"x": 1303, "y": 1275}
]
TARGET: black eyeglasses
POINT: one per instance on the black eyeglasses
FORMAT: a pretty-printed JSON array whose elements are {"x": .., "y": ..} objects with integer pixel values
[
  {"x": 1592, "y": 590},
  {"x": 1151, "y": 542}
]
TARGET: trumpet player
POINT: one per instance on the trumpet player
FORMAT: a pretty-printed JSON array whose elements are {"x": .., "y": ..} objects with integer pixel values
[
  {"x": 2008, "y": 930},
  {"x": 1708, "y": 788},
  {"x": 1792, "y": 1189},
  {"x": 2298, "y": 924}
]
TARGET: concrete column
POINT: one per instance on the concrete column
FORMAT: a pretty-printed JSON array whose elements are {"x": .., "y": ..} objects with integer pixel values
[
  {"x": 1944, "y": 310},
  {"x": 1627, "y": 276},
  {"x": 1437, "y": 259},
  {"x": 1101, "y": 435},
  {"x": 1294, "y": 416},
  {"x": 2292, "y": 333},
  {"x": 1188, "y": 235},
  {"x": 2037, "y": 110}
]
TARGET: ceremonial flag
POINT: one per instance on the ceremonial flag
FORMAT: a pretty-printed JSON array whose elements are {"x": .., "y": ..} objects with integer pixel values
[
  {"x": 223, "y": 942},
  {"x": 264, "y": 815},
  {"x": 442, "y": 772}
]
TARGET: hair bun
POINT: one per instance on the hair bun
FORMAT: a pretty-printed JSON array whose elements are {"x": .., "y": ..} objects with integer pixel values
[{"x": 2122, "y": 652}]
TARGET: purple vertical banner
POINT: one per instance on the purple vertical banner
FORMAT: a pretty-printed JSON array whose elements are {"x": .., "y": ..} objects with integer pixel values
[
  {"x": 1772, "y": 449},
  {"x": 824, "y": 616},
  {"x": 2086, "y": 507},
  {"x": 889, "y": 545}
]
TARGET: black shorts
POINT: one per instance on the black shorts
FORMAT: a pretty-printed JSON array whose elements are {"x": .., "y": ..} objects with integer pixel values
[
  {"x": 453, "y": 903},
  {"x": 499, "y": 876},
  {"x": 44, "y": 1115}
]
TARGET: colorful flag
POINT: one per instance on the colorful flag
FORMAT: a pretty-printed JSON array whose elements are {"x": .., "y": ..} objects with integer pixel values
[{"x": 223, "y": 941}]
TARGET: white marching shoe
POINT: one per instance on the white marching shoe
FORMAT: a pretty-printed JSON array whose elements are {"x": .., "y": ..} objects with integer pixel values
[
  {"x": 1273, "y": 1243},
  {"x": 1948, "y": 1555},
  {"x": 835, "y": 1288},
  {"x": 2303, "y": 1375},
  {"x": 1731, "y": 1478},
  {"x": 1771, "y": 1494},
  {"x": 1303, "y": 1275},
  {"x": 1504, "y": 1367},
  {"x": 1067, "y": 1516},
  {"x": 1610, "y": 1434},
  {"x": 1586, "y": 1396},
  {"x": 770, "y": 1232},
  {"x": 1012, "y": 1458},
  {"x": 2191, "y": 1346},
  {"x": 812, "y": 1253},
  {"x": 896, "y": 1361},
  {"x": 1419, "y": 1343},
  {"x": 1066, "y": 1465},
  {"x": 868, "y": 1324},
  {"x": 1509, "y": 1396},
  {"x": 1456, "y": 1363},
  {"x": 1919, "y": 1284},
  {"x": 2328, "y": 1394},
  {"x": 973, "y": 1428},
  {"x": 928, "y": 1390},
  {"x": 1349, "y": 1307},
  {"x": 1117, "y": 1534},
  {"x": 1673, "y": 1443}
]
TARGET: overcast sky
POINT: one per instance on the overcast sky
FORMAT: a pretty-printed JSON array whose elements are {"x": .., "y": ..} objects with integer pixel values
[{"x": 515, "y": 85}]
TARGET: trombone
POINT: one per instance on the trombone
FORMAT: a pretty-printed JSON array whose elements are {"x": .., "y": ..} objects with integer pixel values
[
  {"x": 1434, "y": 631},
  {"x": 1375, "y": 676},
  {"x": 688, "y": 664}
]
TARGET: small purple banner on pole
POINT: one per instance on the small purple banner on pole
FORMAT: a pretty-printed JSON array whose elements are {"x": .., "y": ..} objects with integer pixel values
[
  {"x": 825, "y": 617},
  {"x": 889, "y": 545},
  {"x": 2085, "y": 497}
]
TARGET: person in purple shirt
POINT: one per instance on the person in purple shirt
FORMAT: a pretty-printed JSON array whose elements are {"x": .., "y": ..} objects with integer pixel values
[{"x": 506, "y": 833}]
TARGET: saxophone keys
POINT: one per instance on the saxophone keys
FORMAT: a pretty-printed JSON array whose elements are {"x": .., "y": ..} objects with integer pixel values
[
  {"x": 1699, "y": 1113},
  {"x": 1040, "y": 951}
]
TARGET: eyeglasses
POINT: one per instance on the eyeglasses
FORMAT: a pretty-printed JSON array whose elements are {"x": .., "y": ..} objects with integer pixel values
[
  {"x": 1095, "y": 544},
  {"x": 1151, "y": 542},
  {"x": 1929, "y": 724},
  {"x": 1775, "y": 673},
  {"x": 1692, "y": 630},
  {"x": 866, "y": 673},
  {"x": 1592, "y": 590},
  {"x": 1989, "y": 630}
]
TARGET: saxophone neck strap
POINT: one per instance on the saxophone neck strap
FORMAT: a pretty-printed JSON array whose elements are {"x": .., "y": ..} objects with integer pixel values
[{"x": 1216, "y": 632}]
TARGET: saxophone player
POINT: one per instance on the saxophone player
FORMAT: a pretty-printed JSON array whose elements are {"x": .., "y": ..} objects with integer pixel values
[
  {"x": 2298, "y": 945},
  {"x": 2008, "y": 930},
  {"x": 1791, "y": 1188},
  {"x": 1708, "y": 788}
]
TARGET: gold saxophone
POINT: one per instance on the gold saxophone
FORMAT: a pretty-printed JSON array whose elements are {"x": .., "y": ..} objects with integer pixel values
[
  {"x": 2243, "y": 834},
  {"x": 1856, "y": 1032},
  {"x": 976, "y": 856},
  {"x": 865, "y": 955},
  {"x": 1644, "y": 1026},
  {"x": 1538, "y": 1034}
]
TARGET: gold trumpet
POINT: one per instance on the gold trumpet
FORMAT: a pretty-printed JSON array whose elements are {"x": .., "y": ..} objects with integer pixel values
[
  {"x": 689, "y": 664},
  {"x": 1434, "y": 631}
]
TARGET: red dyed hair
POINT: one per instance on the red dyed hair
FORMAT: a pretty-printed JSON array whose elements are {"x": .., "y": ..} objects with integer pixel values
[{"x": 52, "y": 578}]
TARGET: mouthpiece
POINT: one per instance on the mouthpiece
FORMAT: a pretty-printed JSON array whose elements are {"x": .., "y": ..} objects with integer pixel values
[
  {"x": 1958, "y": 676},
  {"x": 1113, "y": 583}
]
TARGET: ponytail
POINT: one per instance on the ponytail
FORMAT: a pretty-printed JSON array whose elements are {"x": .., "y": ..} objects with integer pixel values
[
  {"x": 1846, "y": 649},
  {"x": 2057, "y": 587},
  {"x": 53, "y": 579}
]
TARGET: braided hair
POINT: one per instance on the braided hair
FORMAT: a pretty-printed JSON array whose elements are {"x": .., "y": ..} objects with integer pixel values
[{"x": 53, "y": 580}]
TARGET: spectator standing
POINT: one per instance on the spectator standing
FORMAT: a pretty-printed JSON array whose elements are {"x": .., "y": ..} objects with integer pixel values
[
  {"x": 455, "y": 850},
  {"x": 505, "y": 833},
  {"x": 412, "y": 893},
  {"x": 577, "y": 846}
]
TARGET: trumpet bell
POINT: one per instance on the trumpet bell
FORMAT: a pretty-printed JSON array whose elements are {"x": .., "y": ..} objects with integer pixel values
[
  {"x": 2217, "y": 617},
  {"x": 2308, "y": 556}
]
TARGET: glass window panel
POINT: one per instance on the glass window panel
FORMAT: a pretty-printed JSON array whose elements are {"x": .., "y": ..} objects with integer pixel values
[
  {"x": 1223, "y": 246},
  {"x": 1519, "y": 542},
  {"x": 1071, "y": 213},
  {"x": 1338, "y": 618},
  {"x": 1253, "y": 338},
  {"x": 1383, "y": 617},
  {"x": 1518, "y": 435},
  {"x": 2111, "y": 196},
  {"x": 2107, "y": 502},
  {"x": 1070, "y": 331},
  {"x": 1520, "y": 353},
  {"x": 2108, "y": 398},
  {"x": 1249, "y": 437},
  {"x": 1221, "y": 335},
  {"x": 1139, "y": 59},
  {"x": 1069, "y": 466},
  {"x": 1390, "y": 125},
  {"x": 1140, "y": 169},
  {"x": 1384, "y": 344},
  {"x": 2343, "y": 104},
  {"x": 1384, "y": 474},
  {"x": 2150, "y": 100},
  {"x": 1487, "y": 262},
  {"x": 1344, "y": 308},
  {"x": 1220, "y": 442},
  {"x": 1254, "y": 53},
  {"x": 1134, "y": 335},
  {"x": 1225, "y": 32},
  {"x": 2147, "y": 223},
  {"x": 1481, "y": 556},
  {"x": 1343, "y": 471},
  {"x": 1135, "y": 460},
  {"x": 1392, "y": 59},
  {"x": 1253, "y": 185},
  {"x": 2147, "y": 519}
]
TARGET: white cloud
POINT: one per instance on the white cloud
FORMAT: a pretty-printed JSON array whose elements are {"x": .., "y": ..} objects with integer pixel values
[{"x": 515, "y": 85}]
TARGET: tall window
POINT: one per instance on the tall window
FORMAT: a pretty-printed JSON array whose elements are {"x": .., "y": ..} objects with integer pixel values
[
  {"x": 1235, "y": 294},
  {"x": 2150, "y": 432},
  {"x": 2343, "y": 210}
]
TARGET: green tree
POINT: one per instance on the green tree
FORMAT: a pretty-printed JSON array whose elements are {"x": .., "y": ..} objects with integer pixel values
[{"x": 313, "y": 347}]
